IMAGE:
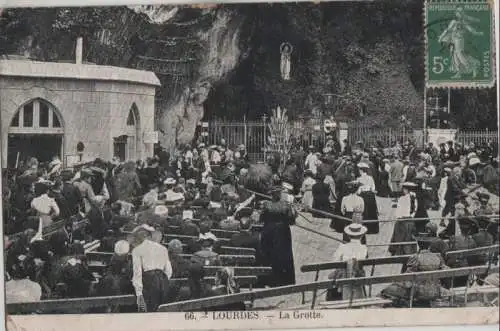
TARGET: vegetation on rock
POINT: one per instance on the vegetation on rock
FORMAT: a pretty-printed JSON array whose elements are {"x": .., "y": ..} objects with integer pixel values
[{"x": 224, "y": 61}]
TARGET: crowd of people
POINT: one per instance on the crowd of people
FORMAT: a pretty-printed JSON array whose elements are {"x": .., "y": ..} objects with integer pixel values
[{"x": 129, "y": 206}]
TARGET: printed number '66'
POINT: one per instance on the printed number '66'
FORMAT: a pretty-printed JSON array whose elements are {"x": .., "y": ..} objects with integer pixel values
[{"x": 438, "y": 64}]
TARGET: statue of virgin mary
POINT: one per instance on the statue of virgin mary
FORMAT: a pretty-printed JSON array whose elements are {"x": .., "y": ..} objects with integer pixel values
[{"x": 286, "y": 57}]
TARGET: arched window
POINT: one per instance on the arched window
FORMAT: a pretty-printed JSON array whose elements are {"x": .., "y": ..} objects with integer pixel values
[
  {"x": 131, "y": 118},
  {"x": 37, "y": 116},
  {"x": 133, "y": 122}
]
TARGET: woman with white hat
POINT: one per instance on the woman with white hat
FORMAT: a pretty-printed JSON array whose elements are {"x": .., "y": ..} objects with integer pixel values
[
  {"x": 151, "y": 270},
  {"x": 367, "y": 192},
  {"x": 351, "y": 252}
]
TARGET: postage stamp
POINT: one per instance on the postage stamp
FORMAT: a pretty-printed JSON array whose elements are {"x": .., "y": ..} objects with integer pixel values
[
  {"x": 248, "y": 166},
  {"x": 460, "y": 43}
]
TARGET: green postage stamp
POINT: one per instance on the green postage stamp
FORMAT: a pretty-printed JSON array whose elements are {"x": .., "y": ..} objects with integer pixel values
[{"x": 460, "y": 43}]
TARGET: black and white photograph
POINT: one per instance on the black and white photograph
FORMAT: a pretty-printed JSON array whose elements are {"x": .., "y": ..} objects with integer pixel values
[{"x": 233, "y": 160}]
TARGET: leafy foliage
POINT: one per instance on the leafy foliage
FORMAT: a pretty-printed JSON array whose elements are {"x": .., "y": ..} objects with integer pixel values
[
  {"x": 279, "y": 128},
  {"x": 370, "y": 56}
]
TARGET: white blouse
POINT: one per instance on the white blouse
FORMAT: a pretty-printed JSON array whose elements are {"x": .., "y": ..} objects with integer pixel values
[
  {"x": 146, "y": 257},
  {"x": 351, "y": 250},
  {"x": 367, "y": 183}
]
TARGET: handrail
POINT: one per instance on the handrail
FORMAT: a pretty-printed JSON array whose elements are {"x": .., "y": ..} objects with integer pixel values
[
  {"x": 331, "y": 215},
  {"x": 414, "y": 276},
  {"x": 190, "y": 305},
  {"x": 474, "y": 251},
  {"x": 364, "y": 262}
]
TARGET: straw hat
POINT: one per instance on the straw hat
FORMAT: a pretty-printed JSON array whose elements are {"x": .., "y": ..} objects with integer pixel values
[
  {"x": 287, "y": 186},
  {"x": 122, "y": 247},
  {"x": 471, "y": 155},
  {"x": 363, "y": 165},
  {"x": 187, "y": 215},
  {"x": 207, "y": 236},
  {"x": 355, "y": 230},
  {"x": 169, "y": 181},
  {"x": 161, "y": 211},
  {"x": 474, "y": 161}
]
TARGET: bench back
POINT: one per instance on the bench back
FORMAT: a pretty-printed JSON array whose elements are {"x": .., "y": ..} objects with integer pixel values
[
  {"x": 186, "y": 239},
  {"x": 401, "y": 259},
  {"x": 69, "y": 304},
  {"x": 104, "y": 258},
  {"x": 493, "y": 249}
]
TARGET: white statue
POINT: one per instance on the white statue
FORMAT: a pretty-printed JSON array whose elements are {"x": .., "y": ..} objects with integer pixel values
[{"x": 286, "y": 59}]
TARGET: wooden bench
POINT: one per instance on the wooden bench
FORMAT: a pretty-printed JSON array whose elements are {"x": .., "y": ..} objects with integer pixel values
[
  {"x": 100, "y": 260},
  {"x": 356, "y": 303},
  {"x": 186, "y": 239},
  {"x": 219, "y": 233},
  {"x": 61, "y": 305},
  {"x": 103, "y": 258},
  {"x": 241, "y": 271},
  {"x": 205, "y": 303}
]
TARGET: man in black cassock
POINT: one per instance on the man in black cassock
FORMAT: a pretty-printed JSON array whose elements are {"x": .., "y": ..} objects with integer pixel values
[{"x": 276, "y": 240}]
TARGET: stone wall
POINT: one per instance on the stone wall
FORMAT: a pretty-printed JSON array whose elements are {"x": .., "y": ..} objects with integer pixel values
[{"x": 92, "y": 111}]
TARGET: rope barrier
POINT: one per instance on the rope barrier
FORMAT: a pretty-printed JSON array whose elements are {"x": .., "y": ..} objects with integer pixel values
[{"x": 331, "y": 215}]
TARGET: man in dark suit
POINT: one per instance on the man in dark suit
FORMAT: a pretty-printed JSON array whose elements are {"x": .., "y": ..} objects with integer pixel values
[{"x": 72, "y": 195}]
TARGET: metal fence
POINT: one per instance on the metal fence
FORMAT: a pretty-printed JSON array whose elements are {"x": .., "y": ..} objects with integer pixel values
[
  {"x": 253, "y": 134},
  {"x": 369, "y": 135},
  {"x": 476, "y": 136},
  {"x": 250, "y": 133}
]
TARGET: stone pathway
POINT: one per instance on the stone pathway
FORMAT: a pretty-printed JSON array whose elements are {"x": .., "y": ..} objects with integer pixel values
[{"x": 310, "y": 248}]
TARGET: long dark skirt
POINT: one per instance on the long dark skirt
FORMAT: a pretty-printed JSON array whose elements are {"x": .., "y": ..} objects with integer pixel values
[
  {"x": 383, "y": 189},
  {"x": 277, "y": 252},
  {"x": 403, "y": 232},
  {"x": 339, "y": 224},
  {"x": 155, "y": 289},
  {"x": 370, "y": 212}
]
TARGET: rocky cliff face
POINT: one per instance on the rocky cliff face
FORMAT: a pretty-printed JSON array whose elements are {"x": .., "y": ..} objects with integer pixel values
[{"x": 220, "y": 53}]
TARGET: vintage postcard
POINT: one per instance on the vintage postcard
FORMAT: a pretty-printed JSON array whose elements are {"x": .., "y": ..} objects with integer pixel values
[{"x": 250, "y": 166}]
